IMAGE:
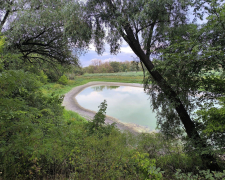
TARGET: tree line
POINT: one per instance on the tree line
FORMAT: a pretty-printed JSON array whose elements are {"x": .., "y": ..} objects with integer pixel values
[{"x": 97, "y": 66}]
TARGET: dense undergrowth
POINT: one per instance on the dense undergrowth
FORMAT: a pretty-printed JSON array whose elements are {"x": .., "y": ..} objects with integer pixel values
[{"x": 41, "y": 140}]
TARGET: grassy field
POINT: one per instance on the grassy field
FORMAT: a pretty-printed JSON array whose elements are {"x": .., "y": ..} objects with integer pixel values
[
  {"x": 125, "y": 77},
  {"x": 132, "y": 73}
]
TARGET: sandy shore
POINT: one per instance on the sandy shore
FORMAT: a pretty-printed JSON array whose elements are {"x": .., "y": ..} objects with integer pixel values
[{"x": 71, "y": 103}]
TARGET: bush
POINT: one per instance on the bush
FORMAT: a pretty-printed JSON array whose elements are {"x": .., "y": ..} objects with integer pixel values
[
  {"x": 30, "y": 122},
  {"x": 201, "y": 175},
  {"x": 147, "y": 166},
  {"x": 43, "y": 77},
  {"x": 63, "y": 80}
]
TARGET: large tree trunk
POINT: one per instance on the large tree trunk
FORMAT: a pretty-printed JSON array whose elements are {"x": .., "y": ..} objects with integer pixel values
[
  {"x": 208, "y": 160},
  {"x": 130, "y": 35}
]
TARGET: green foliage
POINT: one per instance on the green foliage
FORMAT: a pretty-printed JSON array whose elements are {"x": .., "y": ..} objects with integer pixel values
[
  {"x": 41, "y": 140},
  {"x": 47, "y": 140},
  {"x": 38, "y": 34},
  {"x": 115, "y": 65},
  {"x": 73, "y": 72},
  {"x": 63, "y": 80},
  {"x": 43, "y": 77},
  {"x": 147, "y": 166},
  {"x": 98, "y": 66},
  {"x": 168, "y": 153},
  {"x": 99, "y": 118},
  {"x": 71, "y": 117},
  {"x": 27, "y": 118},
  {"x": 211, "y": 123},
  {"x": 17, "y": 84},
  {"x": 98, "y": 124},
  {"x": 2, "y": 42},
  {"x": 202, "y": 174},
  {"x": 213, "y": 83}
]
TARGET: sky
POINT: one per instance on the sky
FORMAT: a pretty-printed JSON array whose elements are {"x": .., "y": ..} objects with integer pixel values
[{"x": 126, "y": 54}]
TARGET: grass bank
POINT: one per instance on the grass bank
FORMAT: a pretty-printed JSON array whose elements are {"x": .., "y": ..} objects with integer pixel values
[{"x": 124, "y": 77}]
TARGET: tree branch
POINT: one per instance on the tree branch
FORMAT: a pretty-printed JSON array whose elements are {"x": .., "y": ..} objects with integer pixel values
[
  {"x": 148, "y": 46},
  {"x": 4, "y": 19}
]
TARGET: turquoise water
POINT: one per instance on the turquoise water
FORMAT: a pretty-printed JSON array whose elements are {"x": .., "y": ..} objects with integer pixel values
[{"x": 125, "y": 103}]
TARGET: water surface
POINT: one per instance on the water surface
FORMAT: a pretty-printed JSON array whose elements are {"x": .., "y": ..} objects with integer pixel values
[{"x": 125, "y": 103}]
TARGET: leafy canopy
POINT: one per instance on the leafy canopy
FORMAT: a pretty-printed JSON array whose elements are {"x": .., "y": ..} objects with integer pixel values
[{"x": 39, "y": 30}]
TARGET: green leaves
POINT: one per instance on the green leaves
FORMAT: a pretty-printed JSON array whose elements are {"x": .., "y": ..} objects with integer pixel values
[
  {"x": 40, "y": 30},
  {"x": 2, "y": 42},
  {"x": 26, "y": 118},
  {"x": 63, "y": 80},
  {"x": 98, "y": 125},
  {"x": 147, "y": 166},
  {"x": 211, "y": 123},
  {"x": 16, "y": 84}
]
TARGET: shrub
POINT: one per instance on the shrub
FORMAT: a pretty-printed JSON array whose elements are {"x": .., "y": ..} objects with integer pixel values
[
  {"x": 29, "y": 124},
  {"x": 63, "y": 80},
  {"x": 43, "y": 77},
  {"x": 201, "y": 175},
  {"x": 147, "y": 166}
]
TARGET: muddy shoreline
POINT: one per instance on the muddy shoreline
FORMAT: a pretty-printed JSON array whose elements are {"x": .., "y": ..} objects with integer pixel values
[{"x": 71, "y": 103}]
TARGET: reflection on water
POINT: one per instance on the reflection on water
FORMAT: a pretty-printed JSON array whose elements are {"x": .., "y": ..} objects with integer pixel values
[
  {"x": 100, "y": 88},
  {"x": 125, "y": 103}
]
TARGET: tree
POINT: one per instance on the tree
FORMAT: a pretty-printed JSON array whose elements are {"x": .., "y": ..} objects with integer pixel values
[
  {"x": 115, "y": 65},
  {"x": 189, "y": 64},
  {"x": 142, "y": 25},
  {"x": 39, "y": 30},
  {"x": 98, "y": 125}
]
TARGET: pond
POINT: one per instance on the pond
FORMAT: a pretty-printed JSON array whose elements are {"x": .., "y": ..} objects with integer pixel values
[{"x": 125, "y": 103}]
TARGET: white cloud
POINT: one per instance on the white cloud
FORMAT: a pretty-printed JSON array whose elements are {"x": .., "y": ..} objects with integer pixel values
[
  {"x": 93, "y": 59},
  {"x": 124, "y": 49},
  {"x": 127, "y": 50},
  {"x": 105, "y": 54},
  {"x": 93, "y": 95},
  {"x": 95, "y": 99},
  {"x": 129, "y": 89},
  {"x": 111, "y": 59},
  {"x": 92, "y": 47}
]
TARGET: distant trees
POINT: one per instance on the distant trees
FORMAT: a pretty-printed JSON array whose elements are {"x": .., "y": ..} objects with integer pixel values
[
  {"x": 97, "y": 66},
  {"x": 115, "y": 65}
]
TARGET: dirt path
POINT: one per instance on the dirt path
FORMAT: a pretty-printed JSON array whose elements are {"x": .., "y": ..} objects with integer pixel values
[{"x": 71, "y": 103}]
